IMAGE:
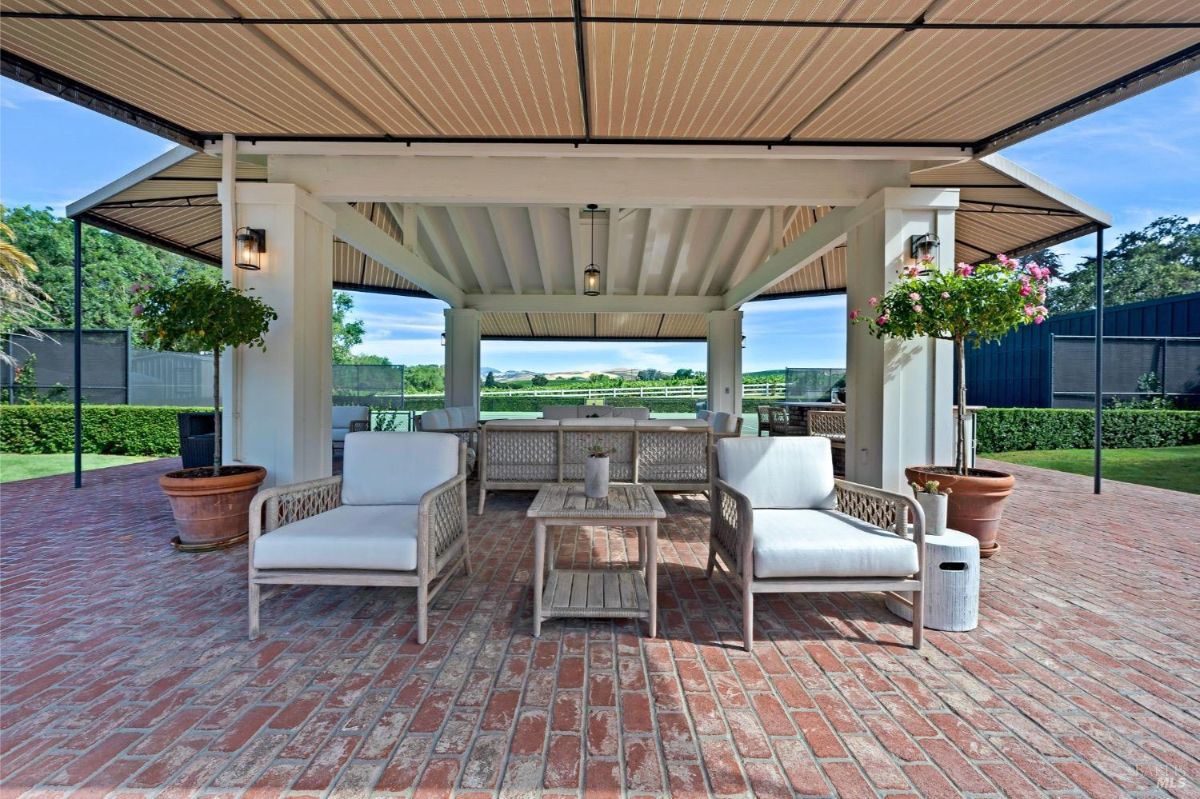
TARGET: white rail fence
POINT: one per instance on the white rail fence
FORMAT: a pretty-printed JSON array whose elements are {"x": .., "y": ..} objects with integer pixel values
[{"x": 763, "y": 390}]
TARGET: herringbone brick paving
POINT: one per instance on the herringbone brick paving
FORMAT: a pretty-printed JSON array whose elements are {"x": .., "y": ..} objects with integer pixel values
[{"x": 126, "y": 670}]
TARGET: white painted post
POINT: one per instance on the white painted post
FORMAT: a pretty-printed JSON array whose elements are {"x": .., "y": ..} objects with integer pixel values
[
  {"x": 725, "y": 361},
  {"x": 899, "y": 394},
  {"x": 462, "y": 358},
  {"x": 285, "y": 422}
]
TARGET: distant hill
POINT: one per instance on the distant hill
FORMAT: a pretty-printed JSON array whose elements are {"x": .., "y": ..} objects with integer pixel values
[{"x": 765, "y": 373}]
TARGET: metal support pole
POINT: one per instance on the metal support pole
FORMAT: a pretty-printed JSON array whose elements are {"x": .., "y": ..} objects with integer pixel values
[
  {"x": 1099, "y": 339},
  {"x": 78, "y": 353}
]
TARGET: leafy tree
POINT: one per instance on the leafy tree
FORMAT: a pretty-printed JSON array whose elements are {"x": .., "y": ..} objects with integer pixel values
[
  {"x": 650, "y": 374},
  {"x": 490, "y": 382},
  {"x": 112, "y": 264},
  {"x": 22, "y": 303},
  {"x": 539, "y": 380},
  {"x": 684, "y": 373},
  {"x": 424, "y": 379},
  {"x": 1161, "y": 260},
  {"x": 203, "y": 314},
  {"x": 347, "y": 333}
]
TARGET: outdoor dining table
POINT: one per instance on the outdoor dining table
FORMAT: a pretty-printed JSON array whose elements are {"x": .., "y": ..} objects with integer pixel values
[{"x": 597, "y": 593}]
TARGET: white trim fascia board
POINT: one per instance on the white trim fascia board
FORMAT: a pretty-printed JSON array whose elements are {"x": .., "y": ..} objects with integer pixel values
[
  {"x": 597, "y": 150},
  {"x": 1044, "y": 187},
  {"x": 359, "y": 232},
  {"x": 629, "y": 183},
  {"x": 605, "y": 303},
  {"x": 284, "y": 194},
  {"x": 130, "y": 179}
]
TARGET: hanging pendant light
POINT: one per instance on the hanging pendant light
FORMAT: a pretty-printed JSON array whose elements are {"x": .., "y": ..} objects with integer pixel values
[{"x": 591, "y": 275}]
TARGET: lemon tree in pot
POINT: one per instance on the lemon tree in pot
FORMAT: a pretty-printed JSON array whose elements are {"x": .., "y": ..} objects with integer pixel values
[
  {"x": 969, "y": 305},
  {"x": 205, "y": 314}
]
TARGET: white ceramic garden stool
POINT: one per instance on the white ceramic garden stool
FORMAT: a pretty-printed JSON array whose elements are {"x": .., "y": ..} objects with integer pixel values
[{"x": 951, "y": 583}]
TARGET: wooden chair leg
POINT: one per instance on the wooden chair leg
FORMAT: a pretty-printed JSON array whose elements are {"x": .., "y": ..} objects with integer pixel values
[
  {"x": 918, "y": 619},
  {"x": 747, "y": 615},
  {"x": 422, "y": 613},
  {"x": 482, "y": 499},
  {"x": 712, "y": 560},
  {"x": 255, "y": 598},
  {"x": 467, "y": 558}
]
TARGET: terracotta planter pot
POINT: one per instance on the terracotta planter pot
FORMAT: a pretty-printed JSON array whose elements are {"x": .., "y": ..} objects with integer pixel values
[
  {"x": 211, "y": 512},
  {"x": 976, "y": 500}
]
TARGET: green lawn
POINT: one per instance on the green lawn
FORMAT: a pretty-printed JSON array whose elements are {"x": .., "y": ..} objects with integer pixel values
[
  {"x": 22, "y": 467},
  {"x": 1177, "y": 468}
]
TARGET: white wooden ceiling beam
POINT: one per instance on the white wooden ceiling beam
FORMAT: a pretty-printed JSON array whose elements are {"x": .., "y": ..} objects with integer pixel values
[
  {"x": 470, "y": 244},
  {"x": 441, "y": 245},
  {"x": 685, "y": 250},
  {"x": 508, "y": 255},
  {"x": 614, "y": 244},
  {"x": 629, "y": 182},
  {"x": 819, "y": 239},
  {"x": 753, "y": 253},
  {"x": 539, "y": 227},
  {"x": 406, "y": 220},
  {"x": 653, "y": 248},
  {"x": 714, "y": 255},
  {"x": 359, "y": 232},
  {"x": 605, "y": 303}
]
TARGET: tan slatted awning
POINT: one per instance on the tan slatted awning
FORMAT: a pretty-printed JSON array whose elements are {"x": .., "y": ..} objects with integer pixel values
[{"x": 961, "y": 72}]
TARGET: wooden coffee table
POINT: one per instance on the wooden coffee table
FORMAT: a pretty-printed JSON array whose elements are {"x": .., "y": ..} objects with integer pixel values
[{"x": 597, "y": 593}]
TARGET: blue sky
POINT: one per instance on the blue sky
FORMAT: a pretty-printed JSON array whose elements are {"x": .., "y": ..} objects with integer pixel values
[{"x": 1138, "y": 160}]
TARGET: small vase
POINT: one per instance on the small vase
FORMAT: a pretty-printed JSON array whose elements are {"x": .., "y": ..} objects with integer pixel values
[
  {"x": 934, "y": 506},
  {"x": 595, "y": 477}
]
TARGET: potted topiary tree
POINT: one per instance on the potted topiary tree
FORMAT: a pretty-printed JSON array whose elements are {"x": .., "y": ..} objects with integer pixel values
[
  {"x": 968, "y": 305},
  {"x": 204, "y": 314}
]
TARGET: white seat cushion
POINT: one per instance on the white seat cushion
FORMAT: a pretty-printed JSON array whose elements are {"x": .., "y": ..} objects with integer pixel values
[
  {"x": 339, "y": 433},
  {"x": 377, "y": 537},
  {"x": 396, "y": 468},
  {"x": 792, "y": 472},
  {"x": 825, "y": 543}
]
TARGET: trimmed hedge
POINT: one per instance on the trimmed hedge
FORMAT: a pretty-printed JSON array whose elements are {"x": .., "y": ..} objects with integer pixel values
[
  {"x": 107, "y": 429},
  {"x": 1010, "y": 429}
]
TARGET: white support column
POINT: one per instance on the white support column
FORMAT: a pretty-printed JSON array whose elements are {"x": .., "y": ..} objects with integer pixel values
[
  {"x": 899, "y": 394},
  {"x": 286, "y": 391},
  {"x": 725, "y": 361},
  {"x": 462, "y": 358}
]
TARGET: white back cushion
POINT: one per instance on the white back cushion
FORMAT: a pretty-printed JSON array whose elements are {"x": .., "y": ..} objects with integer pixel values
[
  {"x": 469, "y": 419},
  {"x": 705, "y": 415},
  {"x": 671, "y": 424},
  {"x": 720, "y": 422},
  {"x": 631, "y": 413},
  {"x": 593, "y": 412},
  {"x": 343, "y": 415},
  {"x": 610, "y": 421},
  {"x": 435, "y": 420},
  {"x": 501, "y": 424},
  {"x": 559, "y": 412},
  {"x": 396, "y": 468},
  {"x": 791, "y": 472},
  {"x": 456, "y": 416}
]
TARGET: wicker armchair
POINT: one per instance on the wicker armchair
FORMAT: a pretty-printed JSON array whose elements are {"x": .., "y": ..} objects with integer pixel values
[
  {"x": 397, "y": 516},
  {"x": 831, "y": 425},
  {"x": 764, "y": 420},
  {"x": 781, "y": 423},
  {"x": 781, "y": 523}
]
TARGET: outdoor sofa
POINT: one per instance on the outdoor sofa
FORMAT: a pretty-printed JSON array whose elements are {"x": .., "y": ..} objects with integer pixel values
[
  {"x": 524, "y": 454},
  {"x": 561, "y": 412}
]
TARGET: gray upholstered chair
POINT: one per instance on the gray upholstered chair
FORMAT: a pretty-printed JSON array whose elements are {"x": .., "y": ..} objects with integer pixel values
[
  {"x": 396, "y": 516},
  {"x": 347, "y": 419},
  {"x": 782, "y": 523}
]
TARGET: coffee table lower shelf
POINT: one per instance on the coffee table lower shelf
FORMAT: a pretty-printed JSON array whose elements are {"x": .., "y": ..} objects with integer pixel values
[{"x": 596, "y": 594}]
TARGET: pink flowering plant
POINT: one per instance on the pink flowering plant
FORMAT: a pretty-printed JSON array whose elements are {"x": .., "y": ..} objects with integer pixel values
[{"x": 972, "y": 304}]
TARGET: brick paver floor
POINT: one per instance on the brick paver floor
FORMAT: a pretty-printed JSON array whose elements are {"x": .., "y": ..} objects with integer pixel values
[{"x": 126, "y": 670}]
